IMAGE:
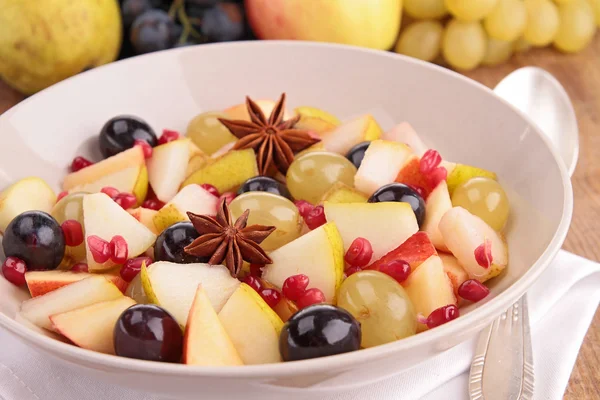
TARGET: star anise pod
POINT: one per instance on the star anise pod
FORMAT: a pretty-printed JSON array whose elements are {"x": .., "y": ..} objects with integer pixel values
[
  {"x": 274, "y": 140},
  {"x": 232, "y": 243}
]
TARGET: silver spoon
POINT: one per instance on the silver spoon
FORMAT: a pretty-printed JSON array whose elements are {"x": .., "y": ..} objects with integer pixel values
[{"x": 502, "y": 367}]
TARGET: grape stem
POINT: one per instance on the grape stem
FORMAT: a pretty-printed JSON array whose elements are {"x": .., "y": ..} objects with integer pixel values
[{"x": 178, "y": 9}]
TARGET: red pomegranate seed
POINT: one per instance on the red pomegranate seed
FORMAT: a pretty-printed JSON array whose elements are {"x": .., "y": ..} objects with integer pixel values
[
  {"x": 253, "y": 282},
  {"x": 310, "y": 297},
  {"x": 61, "y": 195},
  {"x": 126, "y": 200},
  {"x": 397, "y": 269},
  {"x": 429, "y": 161},
  {"x": 99, "y": 248},
  {"x": 211, "y": 189},
  {"x": 80, "y": 163},
  {"x": 118, "y": 249},
  {"x": 437, "y": 175},
  {"x": 110, "y": 191},
  {"x": 153, "y": 204},
  {"x": 294, "y": 287},
  {"x": 483, "y": 254},
  {"x": 14, "y": 270},
  {"x": 473, "y": 290},
  {"x": 304, "y": 207},
  {"x": 133, "y": 266},
  {"x": 73, "y": 232},
  {"x": 145, "y": 147},
  {"x": 168, "y": 136},
  {"x": 270, "y": 296},
  {"x": 79, "y": 267},
  {"x": 442, "y": 315},
  {"x": 418, "y": 189},
  {"x": 228, "y": 196},
  {"x": 315, "y": 218},
  {"x": 359, "y": 253},
  {"x": 352, "y": 270},
  {"x": 256, "y": 270}
]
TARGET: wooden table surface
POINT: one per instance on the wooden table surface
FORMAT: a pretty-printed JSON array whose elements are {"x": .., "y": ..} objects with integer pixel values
[{"x": 580, "y": 74}]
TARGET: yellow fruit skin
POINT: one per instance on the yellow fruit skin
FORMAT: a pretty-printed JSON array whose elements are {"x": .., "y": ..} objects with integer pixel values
[
  {"x": 463, "y": 173},
  {"x": 140, "y": 190},
  {"x": 596, "y": 7},
  {"x": 373, "y": 131},
  {"x": 577, "y": 26},
  {"x": 307, "y": 111},
  {"x": 464, "y": 44},
  {"x": 337, "y": 246},
  {"x": 44, "y": 42},
  {"x": 167, "y": 216}
]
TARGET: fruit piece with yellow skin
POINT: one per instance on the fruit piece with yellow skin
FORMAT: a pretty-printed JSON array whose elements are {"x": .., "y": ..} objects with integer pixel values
[
  {"x": 192, "y": 198},
  {"x": 44, "y": 42},
  {"x": 314, "y": 124},
  {"x": 342, "y": 193},
  {"x": 132, "y": 180},
  {"x": 350, "y": 133},
  {"x": 462, "y": 173},
  {"x": 307, "y": 111},
  {"x": 25, "y": 195}
]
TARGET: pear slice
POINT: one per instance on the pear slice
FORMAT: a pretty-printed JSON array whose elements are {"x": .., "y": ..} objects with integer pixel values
[
  {"x": 132, "y": 180},
  {"x": 192, "y": 198},
  {"x": 25, "y": 195},
  {"x": 456, "y": 273},
  {"x": 252, "y": 325},
  {"x": 146, "y": 217},
  {"x": 319, "y": 254},
  {"x": 461, "y": 173},
  {"x": 206, "y": 342},
  {"x": 342, "y": 193},
  {"x": 463, "y": 232},
  {"x": 42, "y": 282},
  {"x": 167, "y": 168},
  {"x": 104, "y": 218},
  {"x": 351, "y": 133},
  {"x": 380, "y": 166},
  {"x": 436, "y": 206},
  {"x": 92, "y": 327},
  {"x": 405, "y": 133},
  {"x": 386, "y": 225},
  {"x": 313, "y": 112},
  {"x": 314, "y": 124}
]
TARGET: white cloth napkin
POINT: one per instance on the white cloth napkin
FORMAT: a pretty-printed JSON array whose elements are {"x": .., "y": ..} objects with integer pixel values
[{"x": 562, "y": 304}]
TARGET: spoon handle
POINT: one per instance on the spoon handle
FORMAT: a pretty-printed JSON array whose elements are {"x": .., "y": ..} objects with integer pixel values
[{"x": 503, "y": 364}]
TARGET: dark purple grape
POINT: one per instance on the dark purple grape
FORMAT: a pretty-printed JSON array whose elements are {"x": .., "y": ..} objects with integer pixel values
[
  {"x": 265, "y": 184},
  {"x": 357, "y": 153},
  {"x": 224, "y": 22},
  {"x": 401, "y": 193},
  {"x": 170, "y": 243},
  {"x": 119, "y": 134},
  {"x": 153, "y": 31},
  {"x": 148, "y": 332},
  {"x": 202, "y": 3},
  {"x": 131, "y": 9}
]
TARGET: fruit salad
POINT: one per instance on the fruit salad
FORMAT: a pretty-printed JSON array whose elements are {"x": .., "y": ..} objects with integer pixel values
[{"x": 261, "y": 235}]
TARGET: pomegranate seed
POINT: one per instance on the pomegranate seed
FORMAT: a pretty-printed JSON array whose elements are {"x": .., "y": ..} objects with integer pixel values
[
  {"x": 79, "y": 267},
  {"x": 310, "y": 297},
  {"x": 270, "y": 296},
  {"x": 315, "y": 218},
  {"x": 153, "y": 204},
  {"x": 418, "y": 189},
  {"x": 359, "y": 253},
  {"x": 211, "y": 189},
  {"x": 397, "y": 269},
  {"x": 168, "y": 136},
  {"x": 118, "y": 249},
  {"x": 14, "y": 270},
  {"x": 437, "y": 175},
  {"x": 253, "y": 282},
  {"x": 126, "y": 200},
  {"x": 73, "y": 232},
  {"x": 133, "y": 266},
  {"x": 145, "y": 147},
  {"x": 256, "y": 270},
  {"x": 228, "y": 196},
  {"x": 483, "y": 254},
  {"x": 442, "y": 315},
  {"x": 110, "y": 191},
  {"x": 61, "y": 195},
  {"x": 304, "y": 207},
  {"x": 80, "y": 163},
  {"x": 352, "y": 270},
  {"x": 429, "y": 161},
  {"x": 99, "y": 248},
  {"x": 473, "y": 290},
  {"x": 294, "y": 287}
]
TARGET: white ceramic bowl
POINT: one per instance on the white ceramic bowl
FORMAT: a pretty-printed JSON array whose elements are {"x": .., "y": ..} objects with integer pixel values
[{"x": 465, "y": 121}]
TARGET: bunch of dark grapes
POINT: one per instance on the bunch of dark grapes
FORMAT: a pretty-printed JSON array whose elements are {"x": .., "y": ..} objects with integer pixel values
[{"x": 153, "y": 25}]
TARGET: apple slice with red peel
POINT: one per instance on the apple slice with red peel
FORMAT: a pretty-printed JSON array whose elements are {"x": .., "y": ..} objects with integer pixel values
[
  {"x": 92, "y": 327},
  {"x": 380, "y": 165},
  {"x": 404, "y": 133},
  {"x": 456, "y": 273},
  {"x": 42, "y": 282},
  {"x": 415, "y": 250},
  {"x": 411, "y": 175},
  {"x": 437, "y": 204}
]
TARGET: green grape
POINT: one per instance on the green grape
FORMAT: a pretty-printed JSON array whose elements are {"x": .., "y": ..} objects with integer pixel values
[
  {"x": 497, "y": 52},
  {"x": 208, "y": 133},
  {"x": 577, "y": 26},
  {"x": 421, "y": 40},
  {"x": 596, "y": 7},
  {"x": 71, "y": 207},
  {"x": 463, "y": 45},
  {"x": 380, "y": 304},
  {"x": 485, "y": 198},
  {"x": 542, "y": 22},
  {"x": 312, "y": 175},
  {"x": 136, "y": 291},
  {"x": 507, "y": 20},
  {"x": 470, "y": 10},
  {"x": 270, "y": 210},
  {"x": 425, "y": 8}
]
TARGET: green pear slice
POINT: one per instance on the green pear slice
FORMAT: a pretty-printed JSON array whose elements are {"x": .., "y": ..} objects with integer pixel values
[
  {"x": 167, "y": 168},
  {"x": 381, "y": 164}
]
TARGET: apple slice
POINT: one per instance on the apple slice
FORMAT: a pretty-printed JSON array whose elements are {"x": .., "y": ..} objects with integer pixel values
[
  {"x": 206, "y": 342},
  {"x": 380, "y": 166},
  {"x": 429, "y": 288},
  {"x": 146, "y": 217},
  {"x": 132, "y": 180},
  {"x": 404, "y": 133},
  {"x": 167, "y": 168},
  {"x": 462, "y": 173},
  {"x": 174, "y": 286},
  {"x": 456, "y": 273},
  {"x": 342, "y": 193},
  {"x": 319, "y": 254},
  {"x": 25, "y": 195},
  {"x": 104, "y": 218},
  {"x": 252, "y": 325},
  {"x": 192, "y": 198},
  {"x": 42, "y": 282},
  {"x": 386, "y": 225},
  {"x": 463, "y": 233},
  {"x": 415, "y": 250},
  {"x": 436, "y": 206},
  {"x": 77, "y": 295},
  {"x": 351, "y": 133},
  {"x": 411, "y": 175},
  {"x": 92, "y": 327}
]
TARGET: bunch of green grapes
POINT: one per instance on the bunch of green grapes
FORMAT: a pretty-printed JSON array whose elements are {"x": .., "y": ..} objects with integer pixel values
[{"x": 468, "y": 33}]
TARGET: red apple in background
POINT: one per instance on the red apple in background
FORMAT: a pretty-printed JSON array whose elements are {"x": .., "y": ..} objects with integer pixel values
[{"x": 372, "y": 23}]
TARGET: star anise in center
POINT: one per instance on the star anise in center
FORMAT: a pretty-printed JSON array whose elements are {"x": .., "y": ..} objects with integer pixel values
[
  {"x": 274, "y": 140},
  {"x": 224, "y": 241}
]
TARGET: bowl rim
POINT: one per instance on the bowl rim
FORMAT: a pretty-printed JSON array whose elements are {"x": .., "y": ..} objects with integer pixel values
[{"x": 491, "y": 309}]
